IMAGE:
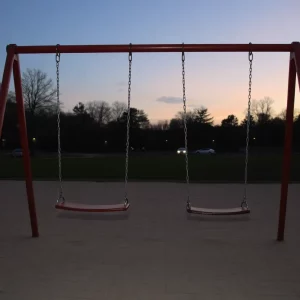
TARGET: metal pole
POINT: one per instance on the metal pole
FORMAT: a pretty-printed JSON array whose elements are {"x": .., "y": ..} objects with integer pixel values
[
  {"x": 5, "y": 85},
  {"x": 297, "y": 61},
  {"x": 154, "y": 48},
  {"x": 286, "y": 167},
  {"x": 24, "y": 143}
]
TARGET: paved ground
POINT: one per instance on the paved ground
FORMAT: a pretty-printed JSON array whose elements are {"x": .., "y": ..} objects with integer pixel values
[{"x": 155, "y": 251}]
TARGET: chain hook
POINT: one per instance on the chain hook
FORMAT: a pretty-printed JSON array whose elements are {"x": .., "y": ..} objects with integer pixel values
[
  {"x": 57, "y": 57},
  {"x": 61, "y": 198},
  {"x": 130, "y": 53},
  {"x": 250, "y": 54},
  {"x": 188, "y": 204},
  {"x": 244, "y": 204},
  {"x": 126, "y": 201},
  {"x": 183, "y": 54}
]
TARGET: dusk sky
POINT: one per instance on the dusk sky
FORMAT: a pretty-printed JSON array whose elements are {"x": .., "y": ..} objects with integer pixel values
[{"x": 218, "y": 81}]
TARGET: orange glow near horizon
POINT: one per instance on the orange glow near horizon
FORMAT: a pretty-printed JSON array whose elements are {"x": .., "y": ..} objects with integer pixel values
[{"x": 222, "y": 95}]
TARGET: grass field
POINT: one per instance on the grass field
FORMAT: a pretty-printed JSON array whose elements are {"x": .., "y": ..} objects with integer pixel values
[{"x": 155, "y": 167}]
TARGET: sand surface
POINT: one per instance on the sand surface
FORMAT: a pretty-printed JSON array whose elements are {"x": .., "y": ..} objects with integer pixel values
[{"x": 155, "y": 250}]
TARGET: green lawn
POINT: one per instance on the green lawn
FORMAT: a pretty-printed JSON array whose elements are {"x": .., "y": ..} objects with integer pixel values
[{"x": 160, "y": 167}]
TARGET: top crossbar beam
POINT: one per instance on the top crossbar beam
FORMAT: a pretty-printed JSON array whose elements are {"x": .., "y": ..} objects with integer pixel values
[{"x": 153, "y": 48}]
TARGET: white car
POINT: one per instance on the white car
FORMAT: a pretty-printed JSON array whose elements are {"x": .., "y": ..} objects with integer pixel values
[
  {"x": 181, "y": 151},
  {"x": 205, "y": 151}
]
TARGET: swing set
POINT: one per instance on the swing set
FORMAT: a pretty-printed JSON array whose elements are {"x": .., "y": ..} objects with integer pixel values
[{"x": 12, "y": 64}]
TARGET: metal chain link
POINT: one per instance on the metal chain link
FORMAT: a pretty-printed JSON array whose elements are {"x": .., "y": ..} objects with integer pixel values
[
  {"x": 185, "y": 127},
  {"x": 244, "y": 203},
  {"x": 128, "y": 123},
  {"x": 61, "y": 198}
]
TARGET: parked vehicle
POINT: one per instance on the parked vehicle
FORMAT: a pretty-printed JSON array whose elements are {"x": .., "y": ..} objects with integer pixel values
[
  {"x": 205, "y": 151},
  {"x": 181, "y": 151}
]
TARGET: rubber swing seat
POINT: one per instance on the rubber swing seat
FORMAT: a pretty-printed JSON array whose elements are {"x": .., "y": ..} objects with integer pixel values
[
  {"x": 91, "y": 207},
  {"x": 218, "y": 211}
]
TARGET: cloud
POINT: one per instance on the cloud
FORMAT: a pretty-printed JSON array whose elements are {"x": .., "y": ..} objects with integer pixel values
[{"x": 169, "y": 100}]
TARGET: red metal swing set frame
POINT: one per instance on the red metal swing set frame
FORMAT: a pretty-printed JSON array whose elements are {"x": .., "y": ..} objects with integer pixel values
[{"x": 12, "y": 64}]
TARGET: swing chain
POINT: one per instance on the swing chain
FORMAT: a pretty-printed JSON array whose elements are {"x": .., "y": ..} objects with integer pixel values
[
  {"x": 128, "y": 123},
  {"x": 185, "y": 127},
  {"x": 61, "y": 198},
  {"x": 244, "y": 202}
]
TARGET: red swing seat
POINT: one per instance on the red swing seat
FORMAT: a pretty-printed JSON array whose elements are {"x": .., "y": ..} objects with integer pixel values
[
  {"x": 71, "y": 206},
  {"x": 218, "y": 211}
]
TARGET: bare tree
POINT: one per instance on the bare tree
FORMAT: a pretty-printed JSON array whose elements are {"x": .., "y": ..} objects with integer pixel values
[
  {"x": 38, "y": 91},
  {"x": 262, "y": 109},
  {"x": 117, "y": 110},
  {"x": 99, "y": 111}
]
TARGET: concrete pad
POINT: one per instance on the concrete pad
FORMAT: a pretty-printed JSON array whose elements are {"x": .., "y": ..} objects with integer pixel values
[{"x": 153, "y": 251}]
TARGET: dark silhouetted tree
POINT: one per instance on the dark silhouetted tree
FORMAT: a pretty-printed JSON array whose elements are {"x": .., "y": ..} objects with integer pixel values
[
  {"x": 138, "y": 118},
  {"x": 277, "y": 121},
  {"x": 175, "y": 123},
  {"x": 79, "y": 109},
  {"x": 201, "y": 116},
  {"x": 282, "y": 114},
  {"x": 230, "y": 121},
  {"x": 252, "y": 121},
  {"x": 190, "y": 117}
]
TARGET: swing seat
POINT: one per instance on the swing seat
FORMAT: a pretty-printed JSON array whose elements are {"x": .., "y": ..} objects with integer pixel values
[
  {"x": 218, "y": 211},
  {"x": 92, "y": 208}
]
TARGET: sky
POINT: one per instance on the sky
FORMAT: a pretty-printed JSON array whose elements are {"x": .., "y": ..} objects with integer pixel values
[{"x": 217, "y": 81}]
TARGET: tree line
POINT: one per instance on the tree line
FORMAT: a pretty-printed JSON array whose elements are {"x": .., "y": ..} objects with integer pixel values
[{"x": 97, "y": 126}]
